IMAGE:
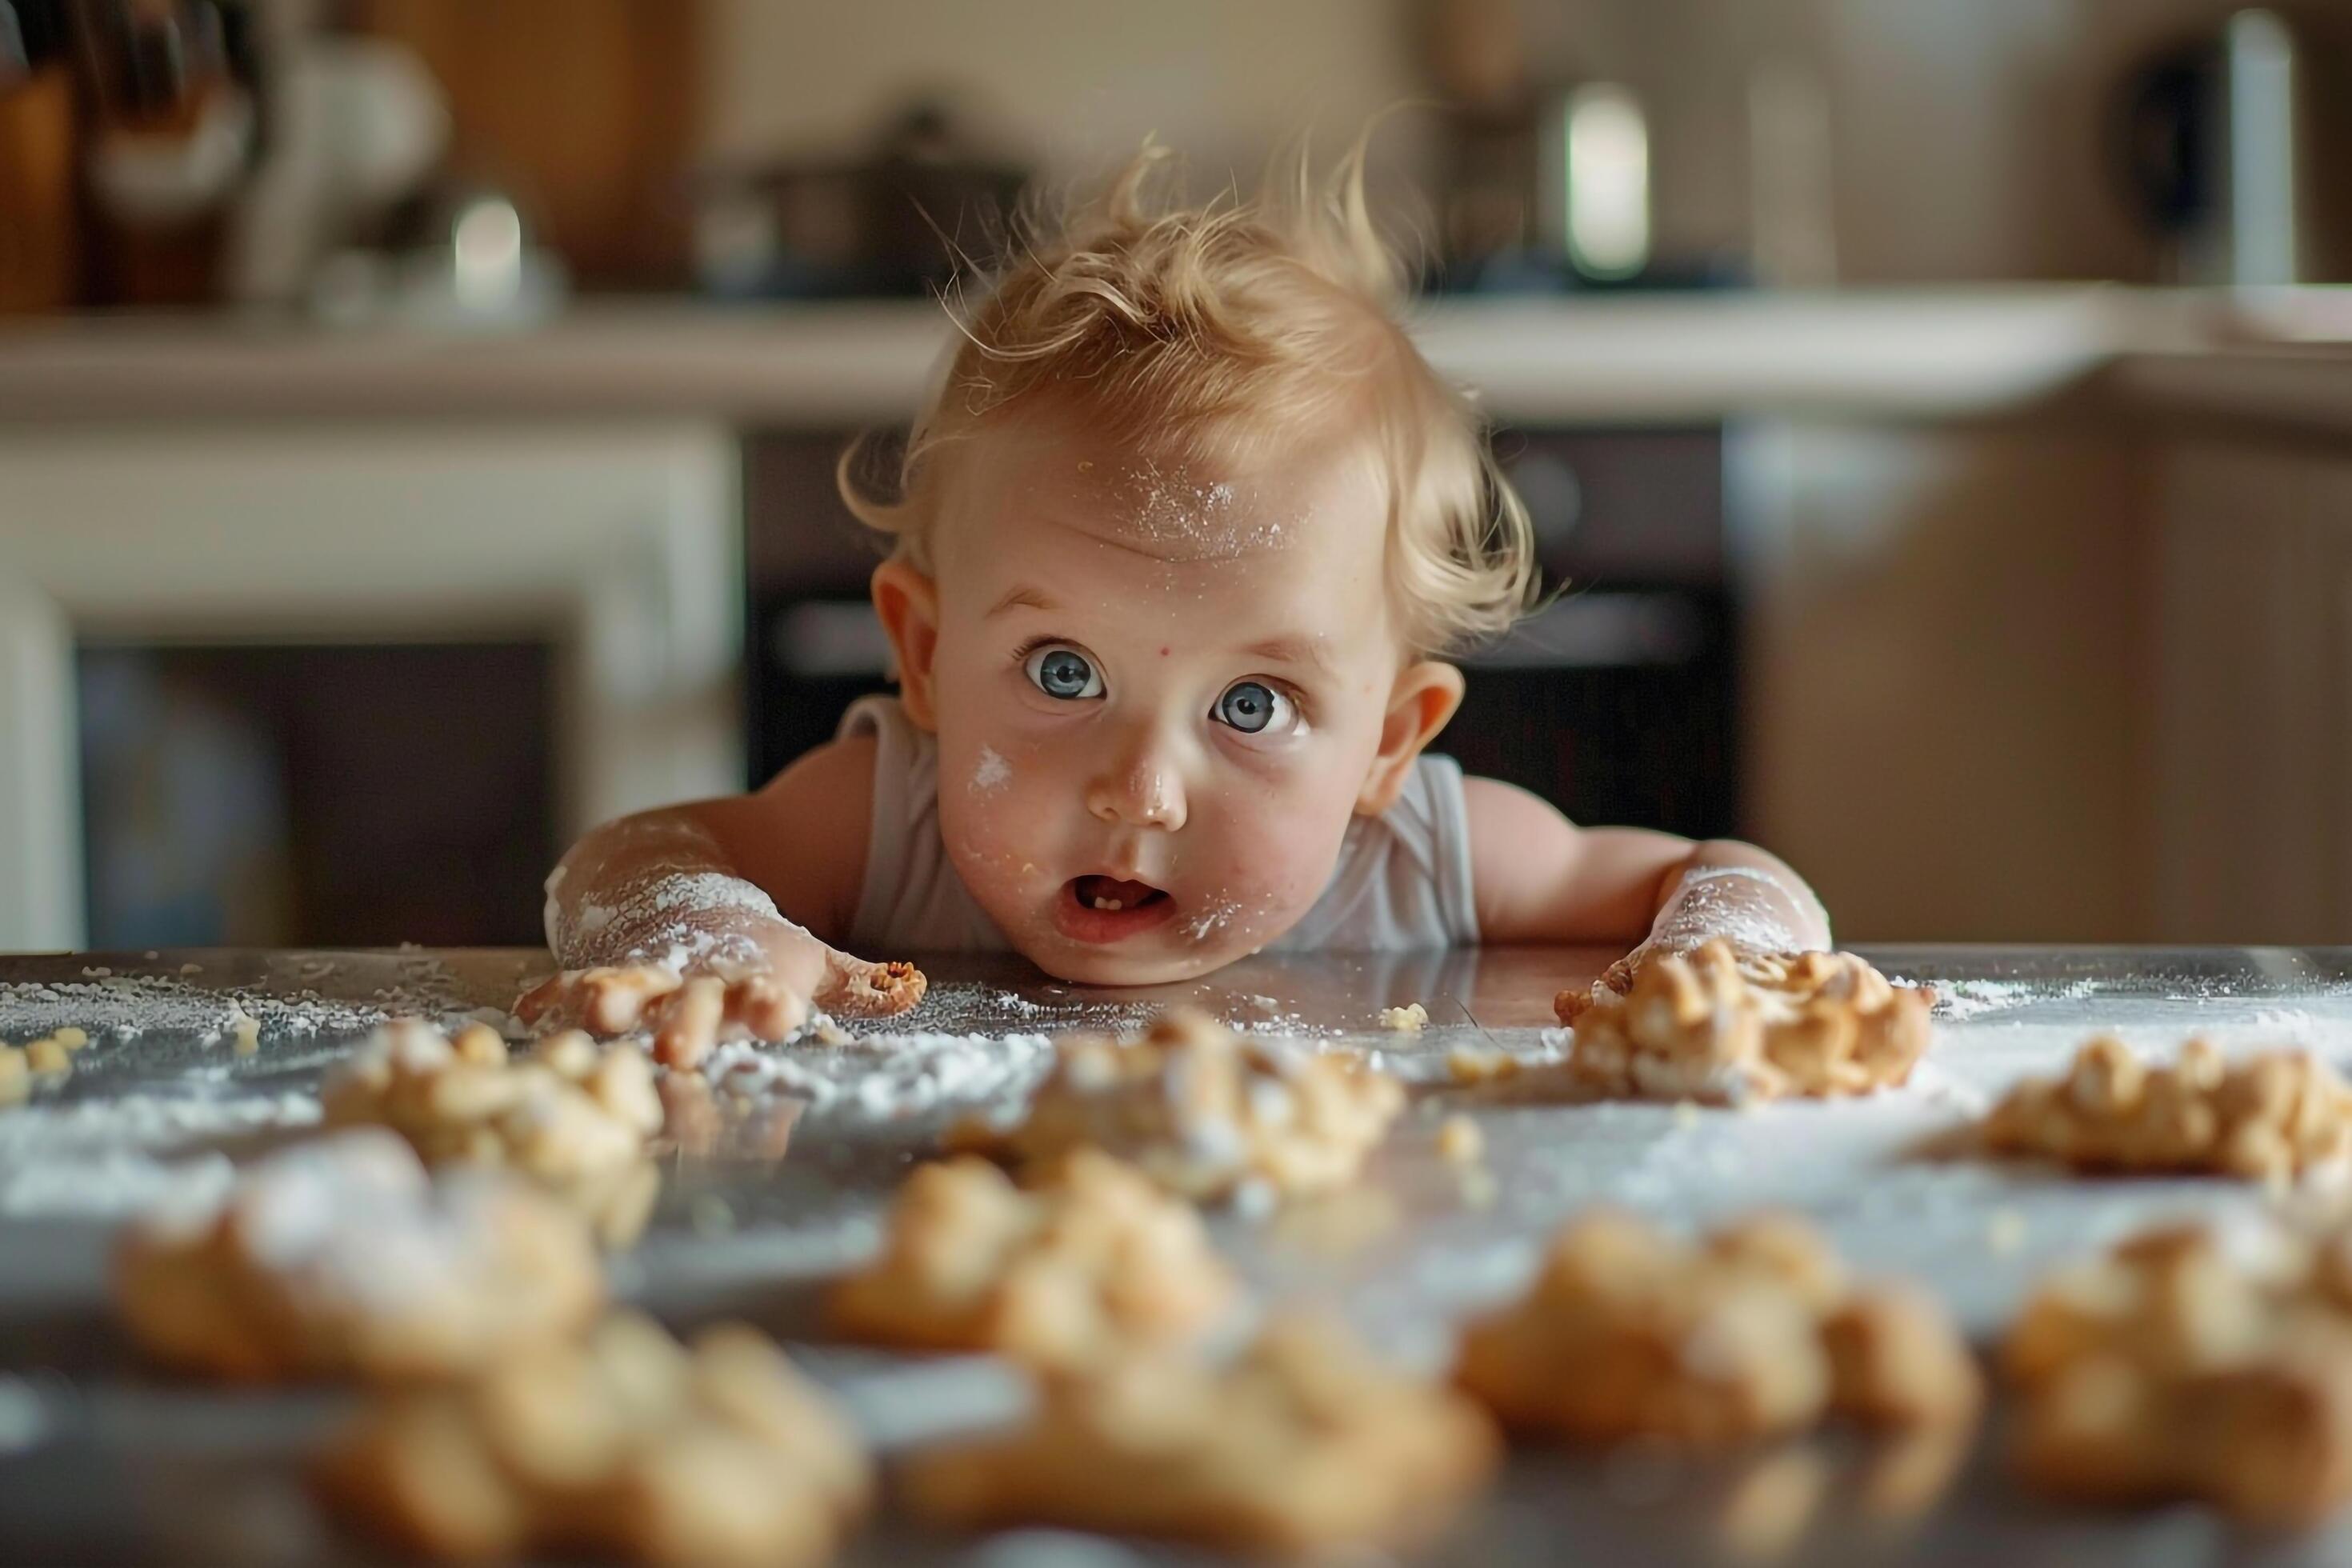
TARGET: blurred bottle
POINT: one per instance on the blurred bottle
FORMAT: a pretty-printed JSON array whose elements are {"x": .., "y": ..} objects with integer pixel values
[
  {"x": 38, "y": 249},
  {"x": 1549, "y": 180},
  {"x": 172, "y": 136}
]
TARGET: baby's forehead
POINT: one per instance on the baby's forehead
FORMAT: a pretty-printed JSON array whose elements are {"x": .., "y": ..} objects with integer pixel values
[{"x": 1178, "y": 500}]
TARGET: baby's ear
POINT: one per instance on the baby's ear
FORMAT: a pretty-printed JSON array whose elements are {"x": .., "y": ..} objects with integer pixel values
[
  {"x": 1423, "y": 698},
  {"x": 908, "y": 603}
]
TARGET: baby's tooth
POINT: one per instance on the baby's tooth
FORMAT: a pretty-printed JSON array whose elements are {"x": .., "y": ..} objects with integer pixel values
[{"x": 1113, "y": 904}]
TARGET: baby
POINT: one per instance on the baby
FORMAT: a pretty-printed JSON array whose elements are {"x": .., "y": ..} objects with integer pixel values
[{"x": 1179, "y": 537}]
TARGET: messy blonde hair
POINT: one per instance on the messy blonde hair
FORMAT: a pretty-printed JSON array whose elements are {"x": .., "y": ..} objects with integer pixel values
[{"x": 1247, "y": 321}]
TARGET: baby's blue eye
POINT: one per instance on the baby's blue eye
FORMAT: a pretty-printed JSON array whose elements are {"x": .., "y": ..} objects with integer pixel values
[
  {"x": 1063, "y": 672},
  {"x": 1249, "y": 706}
]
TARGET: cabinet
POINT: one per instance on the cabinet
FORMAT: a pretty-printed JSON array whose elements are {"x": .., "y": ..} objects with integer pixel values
[{"x": 2250, "y": 796}]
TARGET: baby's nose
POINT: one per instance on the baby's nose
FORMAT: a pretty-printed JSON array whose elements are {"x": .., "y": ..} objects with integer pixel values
[{"x": 1142, "y": 790}]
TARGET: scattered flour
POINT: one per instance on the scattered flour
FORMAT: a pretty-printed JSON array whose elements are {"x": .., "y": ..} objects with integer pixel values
[
  {"x": 111, "y": 1186},
  {"x": 120, "y": 1154},
  {"x": 125, "y": 1006},
  {"x": 993, "y": 772},
  {"x": 1959, "y": 1000},
  {"x": 885, "y": 1078}
]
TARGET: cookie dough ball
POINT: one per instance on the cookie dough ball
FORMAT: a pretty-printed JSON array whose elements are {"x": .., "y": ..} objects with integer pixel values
[
  {"x": 1095, "y": 1260},
  {"x": 342, "y": 1256},
  {"x": 625, "y": 1444}
]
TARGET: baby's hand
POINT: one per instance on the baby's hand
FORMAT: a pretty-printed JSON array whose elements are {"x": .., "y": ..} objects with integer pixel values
[
  {"x": 1747, "y": 910},
  {"x": 763, "y": 993}
]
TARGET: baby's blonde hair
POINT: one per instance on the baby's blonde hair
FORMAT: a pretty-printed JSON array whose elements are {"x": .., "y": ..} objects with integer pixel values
[{"x": 1237, "y": 322}]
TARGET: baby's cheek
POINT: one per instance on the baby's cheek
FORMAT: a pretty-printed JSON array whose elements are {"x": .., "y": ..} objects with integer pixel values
[
  {"x": 997, "y": 831},
  {"x": 1264, "y": 870}
]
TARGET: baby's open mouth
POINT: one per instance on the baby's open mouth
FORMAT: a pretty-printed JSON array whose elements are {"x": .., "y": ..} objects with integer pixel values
[
  {"x": 1106, "y": 908},
  {"x": 1112, "y": 894}
]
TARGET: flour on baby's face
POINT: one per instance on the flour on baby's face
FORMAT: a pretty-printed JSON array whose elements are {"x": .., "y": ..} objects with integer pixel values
[
  {"x": 1133, "y": 782},
  {"x": 1167, "y": 509},
  {"x": 992, "y": 772}
]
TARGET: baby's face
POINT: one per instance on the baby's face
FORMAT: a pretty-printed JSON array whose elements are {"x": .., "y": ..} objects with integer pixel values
[{"x": 1160, "y": 690}]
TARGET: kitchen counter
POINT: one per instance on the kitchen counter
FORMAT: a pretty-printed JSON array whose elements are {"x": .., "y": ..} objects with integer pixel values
[
  {"x": 99, "y": 1461},
  {"x": 1615, "y": 359}
]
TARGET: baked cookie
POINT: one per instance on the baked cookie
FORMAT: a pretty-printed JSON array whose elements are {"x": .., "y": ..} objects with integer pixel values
[
  {"x": 688, "y": 1016},
  {"x": 626, "y": 1445},
  {"x": 342, "y": 1256},
  {"x": 1753, "y": 1332},
  {"x": 1304, "y": 1444},
  {"x": 573, "y": 1117},
  {"x": 1095, "y": 1259},
  {"x": 1205, "y": 1113},
  {"x": 2274, "y": 1116},
  {"x": 2176, "y": 1367},
  {"x": 1713, "y": 1028}
]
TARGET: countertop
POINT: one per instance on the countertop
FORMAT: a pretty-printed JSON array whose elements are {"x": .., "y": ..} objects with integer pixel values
[
  {"x": 1612, "y": 359},
  {"x": 100, "y": 1461}
]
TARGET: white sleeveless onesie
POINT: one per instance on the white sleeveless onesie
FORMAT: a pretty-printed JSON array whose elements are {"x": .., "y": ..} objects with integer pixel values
[{"x": 1403, "y": 880}]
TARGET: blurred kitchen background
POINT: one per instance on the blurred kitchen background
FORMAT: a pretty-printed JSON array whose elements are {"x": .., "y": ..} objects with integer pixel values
[{"x": 417, "y": 421}]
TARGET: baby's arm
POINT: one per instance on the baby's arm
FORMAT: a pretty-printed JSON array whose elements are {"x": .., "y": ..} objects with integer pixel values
[
  {"x": 744, "y": 884},
  {"x": 1538, "y": 876}
]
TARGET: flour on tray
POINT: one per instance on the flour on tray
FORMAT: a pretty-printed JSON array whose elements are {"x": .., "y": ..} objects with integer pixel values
[
  {"x": 115, "y": 1156},
  {"x": 123, "y": 1007},
  {"x": 1957, "y": 1001},
  {"x": 886, "y": 1077}
]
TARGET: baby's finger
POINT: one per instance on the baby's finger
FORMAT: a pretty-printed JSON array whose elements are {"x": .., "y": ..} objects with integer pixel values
[
  {"x": 614, "y": 1001},
  {"x": 690, "y": 1023},
  {"x": 765, "y": 1007}
]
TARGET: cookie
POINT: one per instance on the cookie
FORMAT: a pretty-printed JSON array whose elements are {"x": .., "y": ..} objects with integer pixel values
[
  {"x": 1094, "y": 1261},
  {"x": 1714, "y": 1029},
  {"x": 2174, "y": 1366},
  {"x": 573, "y": 1117},
  {"x": 624, "y": 1444},
  {"x": 341, "y": 1257},
  {"x": 1754, "y": 1333},
  {"x": 1205, "y": 1113},
  {"x": 1305, "y": 1444},
  {"x": 2275, "y": 1116}
]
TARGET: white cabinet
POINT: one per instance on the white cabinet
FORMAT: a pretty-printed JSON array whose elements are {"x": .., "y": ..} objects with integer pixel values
[{"x": 618, "y": 544}]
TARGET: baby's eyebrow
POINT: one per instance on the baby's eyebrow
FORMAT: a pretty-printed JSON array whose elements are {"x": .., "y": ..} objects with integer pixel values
[
  {"x": 1290, "y": 650},
  {"x": 1031, "y": 598}
]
